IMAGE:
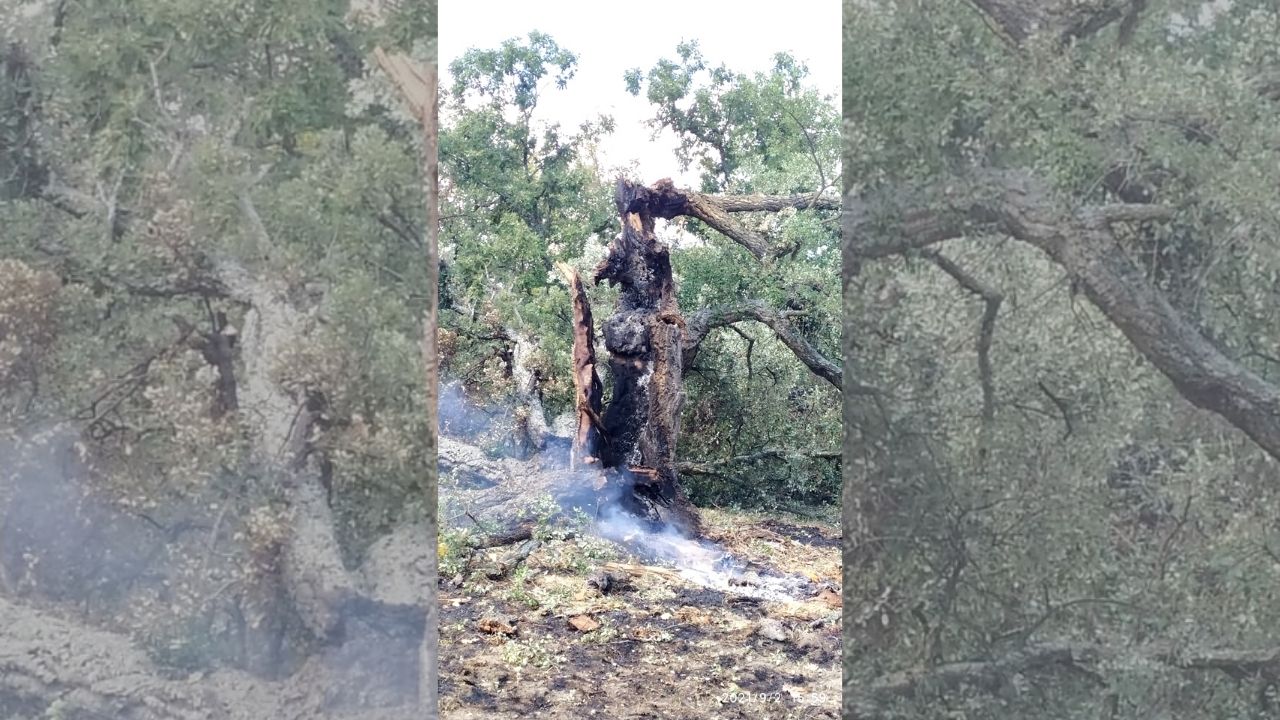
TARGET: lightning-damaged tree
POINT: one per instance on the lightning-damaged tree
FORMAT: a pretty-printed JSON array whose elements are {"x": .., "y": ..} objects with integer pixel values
[
  {"x": 648, "y": 338},
  {"x": 751, "y": 252}
]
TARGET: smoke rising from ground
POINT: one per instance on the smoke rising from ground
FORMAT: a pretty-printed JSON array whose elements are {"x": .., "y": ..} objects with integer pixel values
[{"x": 699, "y": 561}]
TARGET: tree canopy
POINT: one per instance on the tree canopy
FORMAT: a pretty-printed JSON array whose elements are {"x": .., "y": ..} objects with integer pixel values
[
  {"x": 520, "y": 194},
  {"x": 214, "y": 277},
  {"x": 1059, "y": 230}
]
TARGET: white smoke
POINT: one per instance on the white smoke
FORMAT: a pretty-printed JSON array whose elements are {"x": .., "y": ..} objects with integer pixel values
[{"x": 700, "y": 562}]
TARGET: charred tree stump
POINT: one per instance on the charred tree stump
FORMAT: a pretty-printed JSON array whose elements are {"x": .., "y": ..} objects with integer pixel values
[{"x": 644, "y": 337}]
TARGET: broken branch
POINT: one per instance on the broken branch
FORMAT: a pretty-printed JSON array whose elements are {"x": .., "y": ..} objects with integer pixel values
[{"x": 701, "y": 323}]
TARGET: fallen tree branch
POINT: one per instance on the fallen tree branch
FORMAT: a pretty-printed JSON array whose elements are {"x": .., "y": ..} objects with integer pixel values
[
  {"x": 712, "y": 467},
  {"x": 644, "y": 570},
  {"x": 509, "y": 536}
]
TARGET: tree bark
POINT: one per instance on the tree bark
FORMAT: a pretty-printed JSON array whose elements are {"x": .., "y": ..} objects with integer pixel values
[
  {"x": 1081, "y": 241},
  {"x": 645, "y": 341},
  {"x": 588, "y": 391}
]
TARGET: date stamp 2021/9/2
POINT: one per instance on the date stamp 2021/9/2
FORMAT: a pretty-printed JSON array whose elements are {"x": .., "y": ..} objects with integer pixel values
[{"x": 742, "y": 697}]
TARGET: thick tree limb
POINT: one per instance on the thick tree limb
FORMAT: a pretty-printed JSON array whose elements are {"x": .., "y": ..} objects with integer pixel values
[
  {"x": 664, "y": 200},
  {"x": 718, "y": 219},
  {"x": 703, "y": 321},
  {"x": 1017, "y": 204},
  {"x": 773, "y": 203}
]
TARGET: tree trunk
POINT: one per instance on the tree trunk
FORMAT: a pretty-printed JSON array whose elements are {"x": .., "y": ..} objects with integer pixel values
[{"x": 644, "y": 337}]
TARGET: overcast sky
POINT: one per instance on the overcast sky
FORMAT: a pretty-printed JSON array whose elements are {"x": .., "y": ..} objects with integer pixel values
[{"x": 610, "y": 39}]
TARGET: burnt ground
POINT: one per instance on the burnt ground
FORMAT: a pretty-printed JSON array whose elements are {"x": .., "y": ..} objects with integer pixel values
[{"x": 657, "y": 647}]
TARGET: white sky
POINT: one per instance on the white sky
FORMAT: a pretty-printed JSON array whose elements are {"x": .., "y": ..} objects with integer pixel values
[{"x": 608, "y": 42}]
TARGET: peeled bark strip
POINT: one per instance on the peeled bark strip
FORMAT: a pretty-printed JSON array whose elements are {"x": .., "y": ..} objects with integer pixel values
[{"x": 589, "y": 392}]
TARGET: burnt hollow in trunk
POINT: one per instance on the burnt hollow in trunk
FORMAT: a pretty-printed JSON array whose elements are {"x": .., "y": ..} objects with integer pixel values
[{"x": 644, "y": 338}]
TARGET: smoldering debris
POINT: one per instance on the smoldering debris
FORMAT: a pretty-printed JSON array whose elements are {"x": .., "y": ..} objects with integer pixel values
[{"x": 699, "y": 561}]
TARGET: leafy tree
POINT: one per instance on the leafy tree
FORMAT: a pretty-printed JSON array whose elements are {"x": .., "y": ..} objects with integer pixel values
[
  {"x": 212, "y": 283},
  {"x": 521, "y": 194},
  {"x": 1057, "y": 255}
]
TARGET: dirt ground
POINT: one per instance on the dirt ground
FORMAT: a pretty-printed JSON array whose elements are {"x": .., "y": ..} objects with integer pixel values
[{"x": 656, "y": 647}]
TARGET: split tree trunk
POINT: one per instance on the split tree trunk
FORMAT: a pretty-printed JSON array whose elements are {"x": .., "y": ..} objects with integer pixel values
[
  {"x": 589, "y": 392},
  {"x": 644, "y": 337},
  {"x": 648, "y": 340}
]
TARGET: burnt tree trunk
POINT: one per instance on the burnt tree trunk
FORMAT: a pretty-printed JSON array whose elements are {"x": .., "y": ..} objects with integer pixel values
[
  {"x": 644, "y": 337},
  {"x": 648, "y": 341}
]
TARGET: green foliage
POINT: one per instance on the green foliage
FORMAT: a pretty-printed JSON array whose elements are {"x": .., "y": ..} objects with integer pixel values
[
  {"x": 748, "y": 134},
  {"x": 1100, "y": 506},
  {"x": 150, "y": 121},
  {"x": 522, "y": 194}
]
